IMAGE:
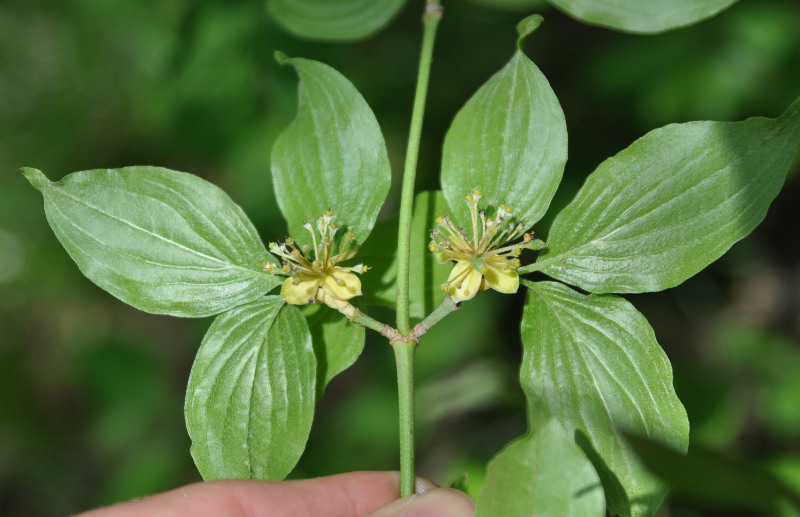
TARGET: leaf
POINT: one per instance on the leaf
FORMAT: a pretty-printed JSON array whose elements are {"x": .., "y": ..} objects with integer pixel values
[
  {"x": 426, "y": 275},
  {"x": 331, "y": 157},
  {"x": 715, "y": 482},
  {"x": 542, "y": 473},
  {"x": 642, "y": 16},
  {"x": 510, "y": 141},
  {"x": 337, "y": 342},
  {"x": 250, "y": 399},
  {"x": 670, "y": 204},
  {"x": 163, "y": 241},
  {"x": 526, "y": 27},
  {"x": 595, "y": 363},
  {"x": 339, "y": 21}
]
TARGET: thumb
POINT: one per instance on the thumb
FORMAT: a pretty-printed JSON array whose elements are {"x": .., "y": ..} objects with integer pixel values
[{"x": 438, "y": 502}]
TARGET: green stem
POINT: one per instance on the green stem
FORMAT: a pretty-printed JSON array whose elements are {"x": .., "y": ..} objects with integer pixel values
[
  {"x": 369, "y": 322},
  {"x": 446, "y": 307},
  {"x": 433, "y": 13},
  {"x": 404, "y": 357}
]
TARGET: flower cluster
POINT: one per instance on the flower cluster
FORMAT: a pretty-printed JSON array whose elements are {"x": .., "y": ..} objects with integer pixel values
[
  {"x": 486, "y": 260},
  {"x": 312, "y": 271}
]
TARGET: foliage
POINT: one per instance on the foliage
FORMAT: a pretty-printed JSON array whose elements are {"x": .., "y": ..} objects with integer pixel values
[{"x": 662, "y": 248}]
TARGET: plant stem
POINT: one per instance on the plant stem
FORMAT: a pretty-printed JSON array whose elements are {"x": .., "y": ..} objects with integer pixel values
[
  {"x": 404, "y": 357},
  {"x": 433, "y": 13},
  {"x": 369, "y": 322},
  {"x": 446, "y": 307}
]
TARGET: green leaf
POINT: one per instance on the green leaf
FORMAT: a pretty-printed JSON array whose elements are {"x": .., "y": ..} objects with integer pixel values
[
  {"x": 510, "y": 141},
  {"x": 426, "y": 275},
  {"x": 250, "y": 399},
  {"x": 670, "y": 204},
  {"x": 340, "y": 20},
  {"x": 642, "y": 16},
  {"x": 526, "y": 27},
  {"x": 595, "y": 363},
  {"x": 331, "y": 157},
  {"x": 163, "y": 241},
  {"x": 714, "y": 482},
  {"x": 337, "y": 341},
  {"x": 542, "y": 473}
]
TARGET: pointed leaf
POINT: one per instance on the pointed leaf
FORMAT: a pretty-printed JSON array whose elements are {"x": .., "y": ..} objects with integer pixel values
[
  {"x": 542, "y": 473},
  {"x": 337, "y": 341},
  {"x": 331, "y": 157},
  {"x": 595, "y": 363},
  {"x": 342, "y": 20},
  {"x": 163, "y": 241},
  {"x": 510, "y": 141},
  {"x": 642, "y": 16},
  {"x": 250, "y": 399},
  {"x": 670, "y": 204}
]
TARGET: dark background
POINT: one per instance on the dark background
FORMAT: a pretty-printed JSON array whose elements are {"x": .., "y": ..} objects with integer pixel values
[{"x": 91, "y": 390}]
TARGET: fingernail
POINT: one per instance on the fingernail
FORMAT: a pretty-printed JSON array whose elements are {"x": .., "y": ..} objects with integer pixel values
[
  {"x": 436, "y": 502},
  {"x": 422, "y": 485}
]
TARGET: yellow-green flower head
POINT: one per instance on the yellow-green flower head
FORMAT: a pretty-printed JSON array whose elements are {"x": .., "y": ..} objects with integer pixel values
[
  {"x": 313, "y": 274},
  {"x": 486, "y": 260}
]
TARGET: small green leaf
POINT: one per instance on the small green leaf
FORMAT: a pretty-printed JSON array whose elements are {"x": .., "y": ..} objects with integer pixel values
[
  {"x": 337, "y": 21},
  {"x": 542, "y": 473},
  {"x": 595, "y": 363},
  {"x": 670, "y": 204},
  {"x": 510, "y": 141},
  {"x": 250, "y": 399},
  {"x": 163, "y": 241},
  {"x": 331, "y": 157},
  {"x": 642, "y": 16},
  {"x": 526, "y": 27},
  {"x": 426, "y": 275},
  {"x": 337, "y": 342}
]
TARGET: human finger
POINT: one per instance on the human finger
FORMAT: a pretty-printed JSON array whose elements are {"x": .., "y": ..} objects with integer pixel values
[
  {"x": 439, "y": 502},
  {"x": 354, "y": 494}
]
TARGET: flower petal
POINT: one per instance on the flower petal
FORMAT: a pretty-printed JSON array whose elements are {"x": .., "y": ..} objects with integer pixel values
[
  {"x": 299, "y": 292},
  {"x": 464, "y": 281},
  {"x": 502, "y": 280},
  {"x": 342, "y": 284}
]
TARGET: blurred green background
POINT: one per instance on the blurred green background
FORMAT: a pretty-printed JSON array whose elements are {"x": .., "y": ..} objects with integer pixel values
[{"x": 91, "y": 390}]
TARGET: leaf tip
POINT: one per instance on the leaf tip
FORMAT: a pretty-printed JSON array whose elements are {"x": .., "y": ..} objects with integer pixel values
[
  {"x": 526, "y": 27},
  {"x": 35, "y": 177},
  {"x": 793, "y": 110},
  {"x": 281, "y": 57}
]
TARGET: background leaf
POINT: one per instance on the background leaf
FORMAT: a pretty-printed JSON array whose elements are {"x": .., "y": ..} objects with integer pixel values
[
  {"x": 670, "y": 204},
  {"x": 251, "y": 394},
  {"x": 342, "y": 20},
  {"x": 509, "y": 140},
  {"x": 642, "y": 16},
  {"x": 542, "y": 473},
  {"x": 715, "y": 482},
  {"x": 337, "y": 342},
  {"x": 426, "y": 275},
  {"x": 163, "y": 241},
  {"x": 594, "y": 362},
  {"x": 331, "y": 157}
]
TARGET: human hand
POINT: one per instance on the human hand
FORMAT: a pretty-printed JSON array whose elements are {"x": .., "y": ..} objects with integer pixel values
[{"x": 355, "y": 494}]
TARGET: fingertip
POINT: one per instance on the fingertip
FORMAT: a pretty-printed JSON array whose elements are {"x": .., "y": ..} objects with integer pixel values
[
  {"x": 422, "y": 485},
  {"x": 436, "y": 502}
]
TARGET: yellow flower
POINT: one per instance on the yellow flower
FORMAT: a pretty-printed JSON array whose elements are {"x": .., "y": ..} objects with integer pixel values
[
  {"x": 484, "y": 261},
  {"x": 313, "y": 274}
]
